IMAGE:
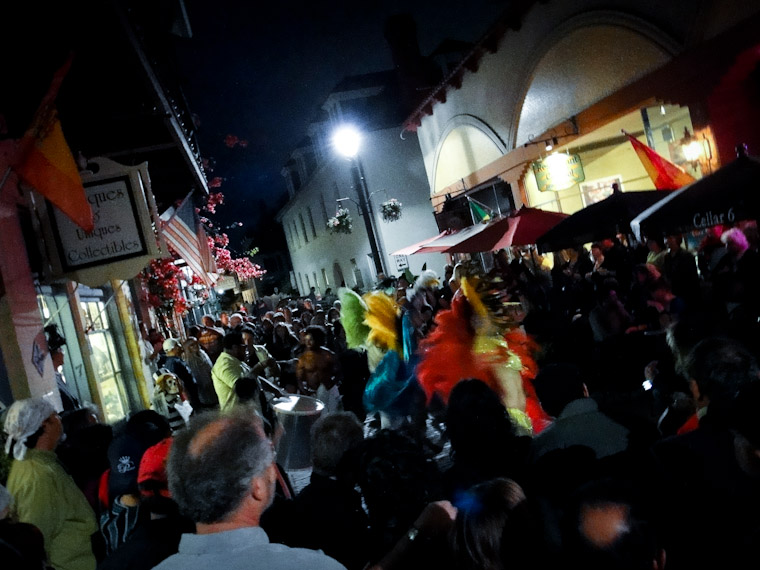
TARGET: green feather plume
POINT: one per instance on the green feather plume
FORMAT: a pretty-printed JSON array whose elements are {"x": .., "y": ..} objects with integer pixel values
[{"x": 353, "y": 310}]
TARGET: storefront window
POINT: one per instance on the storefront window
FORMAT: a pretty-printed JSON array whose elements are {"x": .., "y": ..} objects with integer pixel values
[
  {"x": 607, "y": 157},
  {"x": 105, "y": 362}
]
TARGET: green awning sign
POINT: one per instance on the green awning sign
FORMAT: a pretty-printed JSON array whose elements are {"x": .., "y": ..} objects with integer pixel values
[{"x": 558, "y": 171}]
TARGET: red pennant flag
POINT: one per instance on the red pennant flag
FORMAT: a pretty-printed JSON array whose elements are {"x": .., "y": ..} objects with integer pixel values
[
  {"x": 664, "y": 174},
  {"x": 44, "y": 160}
]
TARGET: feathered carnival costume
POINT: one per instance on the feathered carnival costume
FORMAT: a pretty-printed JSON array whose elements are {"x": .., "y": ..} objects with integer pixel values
[
  {"x": 377, "y": 323},
  {"x": 479, "y": 338}
]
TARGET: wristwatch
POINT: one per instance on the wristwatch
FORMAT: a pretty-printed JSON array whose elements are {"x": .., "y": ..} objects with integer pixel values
[{"x": 412, "y": 534}]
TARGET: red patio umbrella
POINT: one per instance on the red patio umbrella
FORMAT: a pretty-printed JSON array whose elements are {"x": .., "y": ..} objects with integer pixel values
[
  {"x": 527, "y": 224},
  {"x": 520, "y": 228},
  {"x": 414, "y": 248}
]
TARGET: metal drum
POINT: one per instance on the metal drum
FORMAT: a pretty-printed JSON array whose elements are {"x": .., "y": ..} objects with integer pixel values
[{"x": 296, "y": 414}]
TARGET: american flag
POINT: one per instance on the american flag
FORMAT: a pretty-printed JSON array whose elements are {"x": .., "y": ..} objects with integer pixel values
[{"x": 185, "y": 235}]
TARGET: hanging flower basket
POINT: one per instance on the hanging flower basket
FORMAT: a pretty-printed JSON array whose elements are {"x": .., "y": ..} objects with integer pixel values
[
  {"x": 340, "y": 223},
  {"x": 391, "y": 210}
]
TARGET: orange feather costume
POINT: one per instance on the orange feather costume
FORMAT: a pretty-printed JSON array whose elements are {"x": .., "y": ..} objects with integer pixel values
[{"x": 474, "y": 337}]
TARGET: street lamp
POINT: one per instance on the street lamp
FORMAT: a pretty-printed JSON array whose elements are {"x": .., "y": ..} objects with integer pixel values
[{"x": 347, "y": 141}]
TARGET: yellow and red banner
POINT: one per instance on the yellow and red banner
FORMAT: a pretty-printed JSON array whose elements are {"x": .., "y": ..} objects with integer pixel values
[
  {"x": 664, "y": 174},
  {"x": 44, "y": 160}
]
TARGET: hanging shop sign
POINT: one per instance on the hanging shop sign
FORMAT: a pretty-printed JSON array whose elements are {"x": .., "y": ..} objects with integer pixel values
[
  {"x": 227, "y": 282},
  {"x": 558, "y": 171},
  {"x": 123, "y": 240}
]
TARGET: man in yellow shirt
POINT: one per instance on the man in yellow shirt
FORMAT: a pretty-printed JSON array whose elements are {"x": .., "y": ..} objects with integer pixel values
[
  {"x": 44, "y": 494},
  {"x": 228, "y": 368}
]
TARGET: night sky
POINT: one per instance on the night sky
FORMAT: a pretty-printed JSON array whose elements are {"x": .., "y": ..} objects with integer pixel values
[{"x": 261, "y": 73}]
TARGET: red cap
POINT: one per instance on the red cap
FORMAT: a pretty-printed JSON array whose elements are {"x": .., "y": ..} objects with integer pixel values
[{"x": 153, "y": 468}]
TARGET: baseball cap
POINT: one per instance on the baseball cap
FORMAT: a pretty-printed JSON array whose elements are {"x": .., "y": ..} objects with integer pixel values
[
  {"x": 124, "y": 455},
  {"x": 151, "y": 476},
  {"x": 171, "y": 344}
]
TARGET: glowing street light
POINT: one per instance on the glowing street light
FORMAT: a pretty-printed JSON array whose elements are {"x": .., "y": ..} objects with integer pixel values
[{"x": 347, "y": 140}]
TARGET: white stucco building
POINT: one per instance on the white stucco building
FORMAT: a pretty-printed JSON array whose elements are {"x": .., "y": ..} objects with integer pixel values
[
  {"x": 573, "y": 75},
  {"x": 319, "y": 180}
]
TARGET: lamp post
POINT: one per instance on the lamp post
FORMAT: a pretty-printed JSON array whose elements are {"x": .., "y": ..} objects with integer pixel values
[{"x": 347, "y": 141}]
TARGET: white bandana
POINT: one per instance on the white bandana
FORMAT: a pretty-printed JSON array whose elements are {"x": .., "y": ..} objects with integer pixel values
[{"x": 23, "y": 419}]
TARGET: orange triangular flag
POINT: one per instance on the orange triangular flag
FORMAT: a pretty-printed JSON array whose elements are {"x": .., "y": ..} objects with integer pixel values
[
  {"x": 664, "y": 174},
  {"x": 44, "y": 160}
]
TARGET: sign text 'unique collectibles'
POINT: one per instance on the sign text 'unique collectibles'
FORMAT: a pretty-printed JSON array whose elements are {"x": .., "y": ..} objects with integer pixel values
[
  {"x": 558, "y": 171},
  {"x": 117, "y": 234}
]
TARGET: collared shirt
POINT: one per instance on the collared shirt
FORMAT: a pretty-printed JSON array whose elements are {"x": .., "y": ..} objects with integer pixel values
[
  {"x": 225, "y": 373},
  {"x": 243, "y": 549},
  {"x": 47, "y": 497}
]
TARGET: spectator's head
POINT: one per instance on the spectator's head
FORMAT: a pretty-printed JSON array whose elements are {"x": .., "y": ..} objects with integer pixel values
[
  {"x": 476, "y": 422},
  {"x": 333, "y": 314},
  {"x": 487, "y": 515},
  {"x": 249, "y": 335},
  {"x": 153, "y": 482},
  {"x": 79, "y": 419},
  {"x": 282, "y": 332},
  {"x": 655, "y": 244},
  {"x": 557, "y": 385},
  {"x": 332, "y": 436},
  {"x": 207, "y": 321},
  {"x": 124, "y": 454},
  {"x": 278, "y": 317},
  {"x": 224, "y": 318},
  {"x": 718, "y": 368},
  {"x": 673, "y": 242},
  {"x": 234, "y": 345},
  {"x": 221, "y": 469},
  {"x": 148, "y": 426},
  {"x": 246, "y": 389},
  {"x": 236, "y": 319},
  {"x": 191, "y": 346},
  {"x": 172, "y": 347},
  {"x": 606, "y": 528},
  {"x": 735, "y": 241},
  {"x": 320, "y": 318},
  {"x": 597, "y": 250},
  {"x": 314, "y": 337},
  {"x": 31, "y": 424}
]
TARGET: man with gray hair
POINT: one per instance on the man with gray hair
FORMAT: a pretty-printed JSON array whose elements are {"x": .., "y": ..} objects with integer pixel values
[{"x": 222, "y": 475}]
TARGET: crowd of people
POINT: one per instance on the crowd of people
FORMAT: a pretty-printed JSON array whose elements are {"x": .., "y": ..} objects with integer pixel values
[{"x": 602, "y": 414}]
